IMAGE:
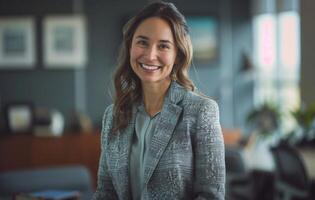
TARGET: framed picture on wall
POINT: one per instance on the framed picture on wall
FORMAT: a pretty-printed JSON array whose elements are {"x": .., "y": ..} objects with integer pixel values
[
  {"x": 204, "y": 37},
  {"x": 19, "y": 117},
  {"x": 17, "y": 43},
  {"x": 65, "y": 42}
]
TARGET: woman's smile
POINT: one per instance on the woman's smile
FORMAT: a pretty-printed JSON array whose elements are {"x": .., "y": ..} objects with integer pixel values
[{"x": 149, "y": 68}]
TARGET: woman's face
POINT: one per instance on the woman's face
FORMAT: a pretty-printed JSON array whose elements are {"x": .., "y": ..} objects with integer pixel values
[{"x": 153, "y": 51}]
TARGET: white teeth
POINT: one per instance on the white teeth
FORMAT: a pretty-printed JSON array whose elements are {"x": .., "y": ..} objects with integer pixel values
[{"x": 149, "y": 67}]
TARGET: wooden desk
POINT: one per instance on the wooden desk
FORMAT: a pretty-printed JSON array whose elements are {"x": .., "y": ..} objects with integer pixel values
[
  {"x": 27, "y": 151},
  {"x": 231, "y": 136}
]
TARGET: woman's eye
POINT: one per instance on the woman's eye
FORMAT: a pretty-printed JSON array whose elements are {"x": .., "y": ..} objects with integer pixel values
[
  {"x": 164, "y": 46},
  {"x": 142, "y": 42}
]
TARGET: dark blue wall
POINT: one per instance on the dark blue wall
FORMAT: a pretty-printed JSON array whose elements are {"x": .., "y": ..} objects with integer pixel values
[{"x": 57, "y": 88}]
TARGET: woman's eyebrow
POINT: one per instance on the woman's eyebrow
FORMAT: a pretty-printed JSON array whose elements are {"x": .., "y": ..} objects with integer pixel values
[
  {"x": 146, "y": 38},
  {"x": 166, "y": 41},
  {"x": 142, "y": 37}
]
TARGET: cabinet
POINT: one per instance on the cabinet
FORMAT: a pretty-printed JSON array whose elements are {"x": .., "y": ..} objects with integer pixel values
[{"x": 26, "y": 151}]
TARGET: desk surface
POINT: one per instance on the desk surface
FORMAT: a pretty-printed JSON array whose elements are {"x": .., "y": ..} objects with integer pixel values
[
  {"x": 231, "y": 136},
  {"x": 261, "y": 158}
]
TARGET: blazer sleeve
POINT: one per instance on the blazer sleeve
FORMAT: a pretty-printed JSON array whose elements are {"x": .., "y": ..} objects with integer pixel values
[
  {"x": 105, "y": 189},
  {"x": 209, "y": 154}
]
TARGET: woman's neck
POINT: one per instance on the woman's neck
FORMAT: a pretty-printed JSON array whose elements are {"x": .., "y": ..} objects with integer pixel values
[{"x": 153, "y": 96}]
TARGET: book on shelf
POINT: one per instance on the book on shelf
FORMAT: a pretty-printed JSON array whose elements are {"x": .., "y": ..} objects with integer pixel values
[{"x": 49, "y": 195}]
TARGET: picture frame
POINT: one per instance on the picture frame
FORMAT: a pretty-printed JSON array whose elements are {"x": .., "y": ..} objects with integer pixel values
[
  {"x": 19, "y": 117},
  {"x": 65, "y": 42},
  {"x": 17, "y": 43},
  {"x": 204, "y": 33}
]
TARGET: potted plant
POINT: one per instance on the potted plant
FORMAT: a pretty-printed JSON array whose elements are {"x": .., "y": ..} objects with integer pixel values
[
  {"x": 265, "y": 119},
  {"x": 305, "y": 118},
  {"x": 264, "y": 122}
]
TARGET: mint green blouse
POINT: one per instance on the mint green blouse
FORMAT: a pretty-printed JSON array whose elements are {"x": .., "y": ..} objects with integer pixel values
[{"x": 144, "y": 127}]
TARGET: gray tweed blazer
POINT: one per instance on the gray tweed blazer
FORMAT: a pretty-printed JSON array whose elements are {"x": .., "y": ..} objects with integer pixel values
[{"x": 186, "y": 155}]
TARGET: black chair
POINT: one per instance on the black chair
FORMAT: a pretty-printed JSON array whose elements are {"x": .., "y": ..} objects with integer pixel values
[
  {"x": 238, "y": 182},
  {"x": 291, "y": 181}
]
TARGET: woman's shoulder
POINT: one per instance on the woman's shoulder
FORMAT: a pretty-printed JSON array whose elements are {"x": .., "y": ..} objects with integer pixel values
[
  {"x": 107, "y": 122},
  {"x": 109, "y": 110},
  {"x": 200, "y": 100},
  {"x": 108, "y": 115}
]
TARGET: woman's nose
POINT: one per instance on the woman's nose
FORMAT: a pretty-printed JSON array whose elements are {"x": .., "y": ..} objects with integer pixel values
[{"x": 151, "y": 53}]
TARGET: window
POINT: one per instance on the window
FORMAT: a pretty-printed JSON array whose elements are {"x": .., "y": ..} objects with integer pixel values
[{"x": 277, "y": 57}]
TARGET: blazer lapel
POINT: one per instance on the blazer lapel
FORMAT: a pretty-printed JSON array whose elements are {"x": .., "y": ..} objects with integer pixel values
[{"x": 164, "y": 128}]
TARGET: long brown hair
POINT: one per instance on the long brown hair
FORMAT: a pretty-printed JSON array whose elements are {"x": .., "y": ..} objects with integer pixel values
[{"x": 127, "y": 84}]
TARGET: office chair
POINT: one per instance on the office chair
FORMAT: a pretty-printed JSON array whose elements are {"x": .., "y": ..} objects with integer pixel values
[
  {"x": 291, "y": 180},
  {"x": 238, "y": 180},
  {"x": 76, "y": 178}
]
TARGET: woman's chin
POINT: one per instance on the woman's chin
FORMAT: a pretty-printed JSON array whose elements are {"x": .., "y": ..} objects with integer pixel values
[{"x": 154, "y": 80}]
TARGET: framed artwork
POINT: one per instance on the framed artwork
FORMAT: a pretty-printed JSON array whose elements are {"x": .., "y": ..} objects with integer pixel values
[
  {"x": 204, "y": 37},
  {"x": 17, "y": 43},
  {"x": 65, "y": 42},
  {"x": 19, "y": 117}
]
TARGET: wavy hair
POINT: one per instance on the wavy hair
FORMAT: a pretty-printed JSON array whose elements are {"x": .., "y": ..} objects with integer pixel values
[{"x": 127, "y": 84}]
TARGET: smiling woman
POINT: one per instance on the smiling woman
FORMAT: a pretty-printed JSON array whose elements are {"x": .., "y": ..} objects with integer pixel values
[{"x": 160, "y": 139}]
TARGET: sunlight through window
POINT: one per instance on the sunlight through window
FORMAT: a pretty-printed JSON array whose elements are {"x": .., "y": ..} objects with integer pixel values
[{"x": 277, "y": 57}]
